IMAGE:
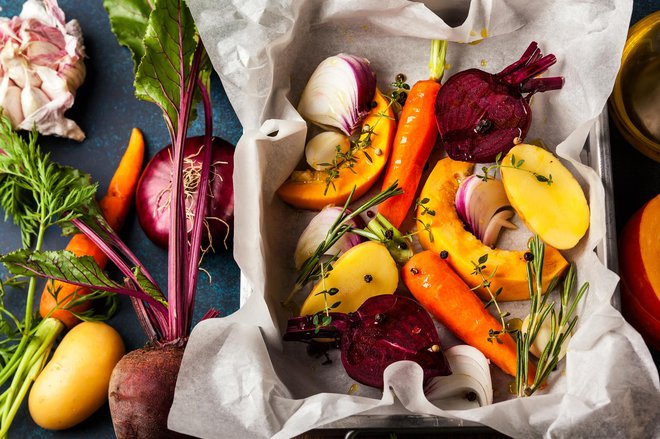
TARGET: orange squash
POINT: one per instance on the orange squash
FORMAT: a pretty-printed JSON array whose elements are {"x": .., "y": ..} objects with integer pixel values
[
  {"x": 639, "y": 253},
  {"x": 307, "y": 189},
  {"x": 463, "y": 247}
]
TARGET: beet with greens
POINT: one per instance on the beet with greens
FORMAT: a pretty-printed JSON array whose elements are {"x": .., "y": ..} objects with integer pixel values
[
  {"x": 384, "y": 330},
  {"x": 481, "y": 114}
]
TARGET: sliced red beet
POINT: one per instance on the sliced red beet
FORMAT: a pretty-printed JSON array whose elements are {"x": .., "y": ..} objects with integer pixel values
[
  {"x": 480, "y": 114},
  {"x": 384, "y": 330}
]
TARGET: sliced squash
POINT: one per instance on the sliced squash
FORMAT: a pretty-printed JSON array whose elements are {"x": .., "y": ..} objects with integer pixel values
[
  {"x": 364, "y": 271},
  {"x": 307, "y": 189},
  {"x": 449, "y": 234}
]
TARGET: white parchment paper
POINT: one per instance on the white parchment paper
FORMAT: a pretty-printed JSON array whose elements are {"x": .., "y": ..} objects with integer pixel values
[{"x": 237, "y": 378}]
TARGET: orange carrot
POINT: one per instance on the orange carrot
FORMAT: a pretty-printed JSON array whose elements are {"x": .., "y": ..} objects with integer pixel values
[
  {"x": 442, "y": 293},
  {"x": 415, "y": 138},
  {"x": 114, "y": 206}
]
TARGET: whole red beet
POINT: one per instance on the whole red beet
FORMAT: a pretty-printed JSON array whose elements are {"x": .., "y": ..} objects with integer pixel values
[
  {"x": 141, "y": 392},
  {"x": 480, "y": 115}
]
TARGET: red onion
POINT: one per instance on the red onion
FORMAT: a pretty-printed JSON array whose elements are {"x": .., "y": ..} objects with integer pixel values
[
  {"x": 153, "y": 192},
  {"x": 484, "y": 207},
  {"x": 480, "y": 114},
  {"x": 339, "y": 93}
]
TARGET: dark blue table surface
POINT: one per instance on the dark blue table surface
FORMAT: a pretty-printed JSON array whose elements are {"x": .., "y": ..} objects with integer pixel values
[{"x": 106, "y": 109}]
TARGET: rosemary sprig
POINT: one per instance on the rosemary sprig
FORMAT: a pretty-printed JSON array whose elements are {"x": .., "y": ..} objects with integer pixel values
[
  {"x": 515, "y": 164},
  {"x": 313, "y": 267},
  {"x": 562, "y": 322}
]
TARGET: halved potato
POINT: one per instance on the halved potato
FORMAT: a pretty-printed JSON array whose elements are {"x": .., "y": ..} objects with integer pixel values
[
  {"x": 364, "y": 271},
  {"x": 557, "y": 212}
]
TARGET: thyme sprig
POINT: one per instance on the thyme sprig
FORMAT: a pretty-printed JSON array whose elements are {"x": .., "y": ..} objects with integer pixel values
[
  {"x": 314, "y": 266},
  {"x": 480, "y": 270},
  {"x": 514, "y": 164},
  {"x": 360, "y": 142}
]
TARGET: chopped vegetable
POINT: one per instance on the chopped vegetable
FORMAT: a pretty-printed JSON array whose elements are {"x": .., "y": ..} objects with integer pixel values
[
  {"x": 415, "y": 138},
  {"x": 468, "y": 386},
  {"x": 441, "y": 292},
  {"x": 446, "y": 233},
  {"x": 152, "y": 198},
  {"x": 322, "y": 149},
  {"x": 484, "y": 207},
  {"x": 481, "y": 115},
  {"x": 359, "y": 169},
  {"x": 384, "y": 330},
  {"x": 364, "y": 271},
  {"x": 553, "y": 207},
  {"x": 316, "y": 232},
  {"x": 41, "y": 67},
  {"x": 339, "y": 93}
]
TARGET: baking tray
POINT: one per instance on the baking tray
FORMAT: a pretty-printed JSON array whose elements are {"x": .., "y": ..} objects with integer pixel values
[{"x": 596, "y": 154}]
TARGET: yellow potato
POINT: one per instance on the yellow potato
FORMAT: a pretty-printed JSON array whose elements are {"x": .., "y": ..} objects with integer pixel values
[
  {"x": 557, "y": 212},
  {"x": 364, "y": 271},
  {"x": 74, "y": 384}
]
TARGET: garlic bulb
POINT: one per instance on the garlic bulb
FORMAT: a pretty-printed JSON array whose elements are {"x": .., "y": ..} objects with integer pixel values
[{"x": 41, "y": 67}]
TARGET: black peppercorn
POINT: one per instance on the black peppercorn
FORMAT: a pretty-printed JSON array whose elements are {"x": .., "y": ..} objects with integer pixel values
[
  {"x": 444, "y": 254},
  {"x": 368, "y": 278},
  {"x": 529, "y": 257}
]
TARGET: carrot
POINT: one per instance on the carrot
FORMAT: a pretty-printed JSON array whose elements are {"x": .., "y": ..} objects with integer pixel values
[
  {"x": 114, "y": 206},
  {"x": 442, "y": 293},
  {"x": 414, "y": 140}
]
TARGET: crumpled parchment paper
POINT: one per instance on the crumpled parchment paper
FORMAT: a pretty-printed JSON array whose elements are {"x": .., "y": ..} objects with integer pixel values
[{"x": 237, "y": 378}]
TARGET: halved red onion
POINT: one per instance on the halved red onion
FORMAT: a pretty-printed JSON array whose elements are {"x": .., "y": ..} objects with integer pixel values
[
  {"x": 339, "y": 93},
  {"x": 317, "y": 230},
  {"x": 484, "y": 207}
]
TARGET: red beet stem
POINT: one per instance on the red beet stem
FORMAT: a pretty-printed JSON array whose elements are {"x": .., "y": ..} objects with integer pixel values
[
  {"x": 533, "y": 53},
  {"x": 303, "y": 328},
  {"x": 535, "y": 85}
]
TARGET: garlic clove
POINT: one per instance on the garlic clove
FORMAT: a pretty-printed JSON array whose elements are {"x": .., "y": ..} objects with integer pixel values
[
  {"x": 543, "y": 338},
  {"x": 32, "y": 98},
  {"x": 10, "y": 101},
  {"x": 322, "y": 149},
  {"x": 53, "y": 83}
]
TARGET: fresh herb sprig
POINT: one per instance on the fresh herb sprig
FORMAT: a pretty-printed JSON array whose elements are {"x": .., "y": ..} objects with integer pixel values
[
  {"x": 514, "y": 164},
  {"x": 38, "y": 194},
  {"x": 313, "y": 267},
  {"x": 360, "y": 142},
  {"x": 562, "y": 322},
  {"x": 480, "y": 270}
]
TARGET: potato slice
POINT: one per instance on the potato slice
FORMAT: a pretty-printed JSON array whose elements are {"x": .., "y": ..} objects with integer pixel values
[
  {"x": 557, "y": 212},
  {"x": 364, "y": 271}
]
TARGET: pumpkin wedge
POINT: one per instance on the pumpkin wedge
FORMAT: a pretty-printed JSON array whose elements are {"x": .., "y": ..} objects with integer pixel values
[
  {"x": 307, "y": 189},
  {"x": 449, "y": 234}
]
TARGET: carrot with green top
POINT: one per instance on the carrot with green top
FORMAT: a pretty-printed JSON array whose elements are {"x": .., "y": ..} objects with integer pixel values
[
  {"x": 443, "y": 293},
  {"x": 114, "y": 207},
  {"x": 414, "y": 140}
]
